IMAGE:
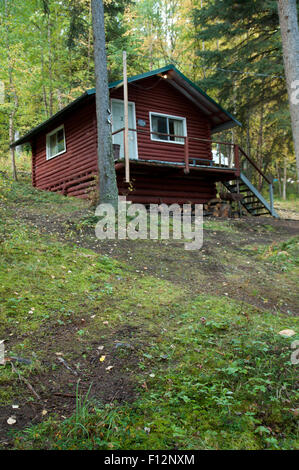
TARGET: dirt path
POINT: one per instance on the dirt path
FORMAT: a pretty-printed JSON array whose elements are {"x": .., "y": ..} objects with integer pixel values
[{"x": 220, "y": 267}]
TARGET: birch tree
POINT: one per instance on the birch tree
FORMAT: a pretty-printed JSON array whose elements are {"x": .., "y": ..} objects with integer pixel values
[{"x": 288, "y": 19}]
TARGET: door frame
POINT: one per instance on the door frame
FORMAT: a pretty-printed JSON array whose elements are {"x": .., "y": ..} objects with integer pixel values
[{"x": 117, "y": 100}]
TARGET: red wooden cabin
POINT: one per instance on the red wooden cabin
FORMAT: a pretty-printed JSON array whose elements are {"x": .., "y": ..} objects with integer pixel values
[{"x": 172, "y": 156}]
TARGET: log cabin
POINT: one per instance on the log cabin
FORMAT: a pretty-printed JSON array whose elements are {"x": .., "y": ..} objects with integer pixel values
[{"x": 174, "y": 155}]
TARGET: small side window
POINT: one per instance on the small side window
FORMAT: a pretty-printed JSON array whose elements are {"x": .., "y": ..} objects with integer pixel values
[{"x": 56, "y": 143}]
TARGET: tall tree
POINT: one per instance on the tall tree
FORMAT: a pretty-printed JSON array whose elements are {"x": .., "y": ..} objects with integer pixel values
[
  {"x": 244, "y": 70},
  {"x": 288, "y": 19},
  {"x": 13, "y": 96},
  {"x": 108, "y": 192}
]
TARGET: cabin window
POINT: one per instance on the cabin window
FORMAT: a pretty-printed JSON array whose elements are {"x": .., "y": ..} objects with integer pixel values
[
  {"x": 168, "y": 128},
  {"x": 56, "y": 143}
]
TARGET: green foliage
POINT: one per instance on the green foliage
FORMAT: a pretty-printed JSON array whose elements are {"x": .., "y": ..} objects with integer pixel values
[
  {"x": 285, "y": 256},
  {"x": 243, "y": 64},
  {"x": 47, "y": 61},
  {"x": 50, "y": 56}
]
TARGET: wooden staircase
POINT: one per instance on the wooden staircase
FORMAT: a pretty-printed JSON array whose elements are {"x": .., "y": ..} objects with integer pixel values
[{"x": 252, "y": 199}]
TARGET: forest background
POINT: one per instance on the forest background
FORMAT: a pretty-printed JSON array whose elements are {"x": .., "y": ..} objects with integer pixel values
[{"x": 232, "y": 50}]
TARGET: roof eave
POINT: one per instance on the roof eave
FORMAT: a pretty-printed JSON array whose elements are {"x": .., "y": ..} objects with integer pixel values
[
  {"x": 225, "y": 126},
  {"x": 228, "y": 124}
]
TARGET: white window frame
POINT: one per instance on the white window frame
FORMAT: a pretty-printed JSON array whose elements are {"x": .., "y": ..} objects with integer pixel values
[
  {"x": 134, "y": 122},
  {"x": 49, "y": 157},
  {"x": 179, "y": 118}
]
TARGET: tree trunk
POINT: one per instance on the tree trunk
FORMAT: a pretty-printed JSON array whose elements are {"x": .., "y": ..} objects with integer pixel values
[
  {"x": 13, "y": 92},
  {"x": 284, "y": 188},
  {"x": 108, "y": 192},
  {"x": 288, "y": 20},
  {"x": 44, "y": 88},
  {"x": 12, "y": 149},
  {"x": 51, "y": 109},
  {"x": 260, "y": 148},
  {"x": 89, "y": 43},
  {"x": 278, "y": 178}
]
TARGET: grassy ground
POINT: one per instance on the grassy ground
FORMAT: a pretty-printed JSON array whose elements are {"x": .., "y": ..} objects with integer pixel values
[{"x": 143, "y": 345}]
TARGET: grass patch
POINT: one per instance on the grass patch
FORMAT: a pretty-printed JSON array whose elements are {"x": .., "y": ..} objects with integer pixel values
[
  {"x": 284, "y": 256},
  {"x": 220, "y": 377},
  {"x": 208, "y": 372},
  {"x": 22, "y": 193}
]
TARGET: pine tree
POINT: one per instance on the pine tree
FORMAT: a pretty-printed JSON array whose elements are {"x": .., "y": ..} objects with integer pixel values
[
  {"x": 243, "y": 67},
  {"x": 108, "y": 192}
]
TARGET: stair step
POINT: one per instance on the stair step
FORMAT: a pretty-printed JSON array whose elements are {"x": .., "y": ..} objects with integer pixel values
[
  {"x": 254, "y": 210},
  {"x": 252, "y": 200},
  {"x": 254, "y": 205},
  {"x": 241, "y": 185},
  {"x": 240, "y": 191},
  {"x": 235, "y": 188},
  {"x": 252, "y": 196},
  {"x": 262, "y": 213}
]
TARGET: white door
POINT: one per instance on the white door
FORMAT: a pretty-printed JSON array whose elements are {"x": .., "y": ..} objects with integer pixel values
[{"x": 118, "y": 122}]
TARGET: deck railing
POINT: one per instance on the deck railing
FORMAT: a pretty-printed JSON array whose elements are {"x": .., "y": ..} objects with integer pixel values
[{"x": 225, "y": 156}]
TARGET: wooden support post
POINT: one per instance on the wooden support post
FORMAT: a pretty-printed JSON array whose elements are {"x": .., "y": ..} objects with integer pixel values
[
  {"x": 271, "y": 197},
  {"x": 239, "y": 203},
  {"x": 126, "y": 117},
  {"x": 187, "y": 170}
]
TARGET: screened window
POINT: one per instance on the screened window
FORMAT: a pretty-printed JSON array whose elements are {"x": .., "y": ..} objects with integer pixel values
[
  {"x": 56, "y": 143},
  {"x": 168, "y": 128}
]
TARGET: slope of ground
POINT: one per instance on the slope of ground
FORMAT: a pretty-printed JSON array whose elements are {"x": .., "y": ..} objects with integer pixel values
[{"x": 141, "y": 344}]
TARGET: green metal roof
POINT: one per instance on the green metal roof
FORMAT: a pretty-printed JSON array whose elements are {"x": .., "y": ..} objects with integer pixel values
[{"x": 179, "y": 80}]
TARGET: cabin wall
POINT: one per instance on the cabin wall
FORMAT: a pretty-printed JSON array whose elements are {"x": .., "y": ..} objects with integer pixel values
[
  {"x": 152, "y": 185},
  {"x": 73, "y": 171},
  {"x": 155, "y": 94}
]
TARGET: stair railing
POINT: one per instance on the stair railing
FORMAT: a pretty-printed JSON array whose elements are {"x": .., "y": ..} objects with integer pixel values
[{"x": 268, "y": 180}]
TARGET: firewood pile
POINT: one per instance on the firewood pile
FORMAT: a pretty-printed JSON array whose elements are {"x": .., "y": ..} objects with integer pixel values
[
  {"x": 225, "y": 206},
  {"x": 225, "y": 196}
]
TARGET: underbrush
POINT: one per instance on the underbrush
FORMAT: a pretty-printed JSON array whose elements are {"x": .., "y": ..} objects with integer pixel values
[{"x": 284, "y": 256}]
